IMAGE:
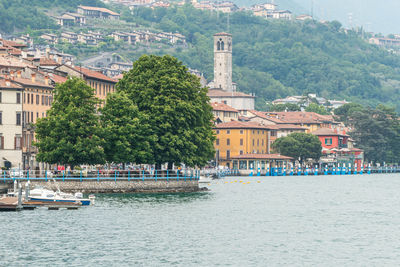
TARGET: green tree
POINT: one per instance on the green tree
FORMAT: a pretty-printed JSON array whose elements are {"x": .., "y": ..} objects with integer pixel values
[
  {"x": 125, "y": 131},
  {"x": 344, "y": 112},
  {"x": 70, "y": 134},
  {"x": 177, "y": 107},
  {"x": 313, "y": 107},
  {"x": 299, "y": 146}
]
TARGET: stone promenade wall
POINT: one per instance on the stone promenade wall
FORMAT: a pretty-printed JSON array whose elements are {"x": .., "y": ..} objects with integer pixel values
[{"x": 94, "y": 186}]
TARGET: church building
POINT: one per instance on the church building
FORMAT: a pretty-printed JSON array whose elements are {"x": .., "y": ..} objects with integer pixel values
[{"x": 222, "y": 89}]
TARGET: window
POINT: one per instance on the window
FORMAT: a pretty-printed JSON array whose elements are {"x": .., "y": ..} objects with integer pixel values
[
  {"x": 258, "y": 131},
  {"x": 18, "y": 118},
  {"x": 228, "y": 131},
  {"x": 241, "y": 142},
  {"x": 328, "y": 141},
  {"x": 42, "y": 100},
  {"x": 228, "y": 154},
  {"x": 0, "y": 97},
  {"x": 262, "y": 142},
  {"x": 31, "y": 116},
  {"x": 243, "y": 165},
  {"x": 31, "y": 98},
  {"x": 217, "y": 131},
  {"x": 253, "y": 131},
  {"x": 241, "y": 152},
  {"x": 17, "y": 141},
  {"x": 228, "y": 142},
  {"x": 1, "y": 117},
  {"x": 217, "y": 142},
  {"x": 1, "y": 141},
  {"x": 273, "y": 133},
  {"x": 241, "y": 131},
  {"x": 258, "y": 142},
  {"x": 253, "y": 142},
  {"x": 263, "y": 132},
  {"x": 37, "y": 99},
  {"x": 24, "y": 98},
  {"x": 47, "y": 100},
  {"x": 37, "y": 115}
]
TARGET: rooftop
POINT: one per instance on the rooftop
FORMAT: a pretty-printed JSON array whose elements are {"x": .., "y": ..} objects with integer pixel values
[
  {"x": 101, "y": 9},
  {"x": 222, "y": 93},
  {"x": 327, "y": 132},
  {"x": 222, "y": 107},
  {"x": 241, "y": 125}
]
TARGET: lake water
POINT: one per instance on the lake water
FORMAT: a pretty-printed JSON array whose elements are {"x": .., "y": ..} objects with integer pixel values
[{"x": 263, "y": 221}]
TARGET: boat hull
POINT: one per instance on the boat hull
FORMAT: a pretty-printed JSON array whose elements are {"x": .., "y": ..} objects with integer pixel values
[{"x": 85, "y": 202}]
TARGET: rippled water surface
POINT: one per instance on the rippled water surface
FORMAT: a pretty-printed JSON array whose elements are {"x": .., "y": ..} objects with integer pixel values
[{"x": 267, "y": 221}]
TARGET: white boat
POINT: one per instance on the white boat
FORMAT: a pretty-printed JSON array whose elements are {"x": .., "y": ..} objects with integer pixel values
[
  {"x": 205, "y": 179},
  {"x": 42, "y": 194}
]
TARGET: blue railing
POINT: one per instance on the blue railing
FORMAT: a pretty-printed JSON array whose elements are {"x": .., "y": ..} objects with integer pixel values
[{"x": 101, "y": 175}]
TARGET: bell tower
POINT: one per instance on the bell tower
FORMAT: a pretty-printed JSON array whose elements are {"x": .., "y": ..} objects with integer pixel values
[{"x": 223, "y": 61}]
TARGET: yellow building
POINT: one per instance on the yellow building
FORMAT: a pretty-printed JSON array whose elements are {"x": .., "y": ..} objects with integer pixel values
[
  {"x": 236, "y": 138},
  {"x": 224, "y": 113}
]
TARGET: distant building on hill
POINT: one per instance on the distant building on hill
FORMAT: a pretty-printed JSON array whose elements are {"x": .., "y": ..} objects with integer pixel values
[
  {"x": 97, "y": 12},
  {"x": 385, "y": 42}
]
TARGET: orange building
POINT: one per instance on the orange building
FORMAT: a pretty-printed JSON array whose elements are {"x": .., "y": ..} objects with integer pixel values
[
  {"x": 102, "y": 84},
  {"x": 224, "y": 113},
  {"x": 236, "y": 138}
]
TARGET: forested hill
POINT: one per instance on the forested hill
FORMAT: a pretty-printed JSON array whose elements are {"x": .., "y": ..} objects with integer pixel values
[
  {"x": 276, "y": 58},
  {"x": 17, "y": 15}
]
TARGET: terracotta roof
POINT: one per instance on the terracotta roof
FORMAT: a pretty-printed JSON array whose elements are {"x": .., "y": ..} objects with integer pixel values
[
  {"x": 262, "y": 156},
  {"x": 101, "y": 9},
  {"x": 92, "y": 74},
  {"x": 44, "y": 61},
  {"x": 327, "y": 132},
  {"x": 286, "y": 127},
  {"x": 12, "y": 43},
  {"x": 222, "y": 93},
  {"x": 223, "y": 107},
  {"x": 3, "y": 84},
  {"x": 241, "y": 125},
  {"x": 303, "y": 117},
  {"x": 263, "y": 116},
  {"x": 31, "y": 83},
  {"x": 57, "y": 78},
  {"x": 11, "y": 61}
]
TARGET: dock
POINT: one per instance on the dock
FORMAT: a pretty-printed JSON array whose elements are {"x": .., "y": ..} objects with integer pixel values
[{"x": 9, "y": 204}]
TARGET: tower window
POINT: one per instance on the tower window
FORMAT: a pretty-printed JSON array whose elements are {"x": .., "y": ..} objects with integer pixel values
[
  {"x": 222, "y": 45},
  {"x": 218, "y": 45}
]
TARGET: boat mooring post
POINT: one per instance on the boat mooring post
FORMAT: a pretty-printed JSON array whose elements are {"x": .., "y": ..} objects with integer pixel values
[{"x": 19, "y": 206}]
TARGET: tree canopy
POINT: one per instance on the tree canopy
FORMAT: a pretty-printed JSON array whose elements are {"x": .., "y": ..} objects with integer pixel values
[
  {"x": 126, "y": 131},
  {"x": 70, "y": 133},
  {"x": 177, "y": 108},
  {"x": 300, "y": 146}
]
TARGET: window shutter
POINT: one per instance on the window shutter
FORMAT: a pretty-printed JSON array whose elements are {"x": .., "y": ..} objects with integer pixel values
[
  {"x": 2, "y": 142},
  {"x": 15, "y": 142}
]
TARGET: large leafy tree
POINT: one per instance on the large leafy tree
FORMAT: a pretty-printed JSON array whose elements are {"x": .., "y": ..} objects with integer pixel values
[
  {"x": 70, "y": 134},
  {"x": 299, "y": 146},
  {"x": 126, "y": 131},
  {"x": 177, "y": 108}
]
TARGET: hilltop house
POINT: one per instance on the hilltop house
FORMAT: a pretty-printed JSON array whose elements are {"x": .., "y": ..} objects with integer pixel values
[{"x": 97, "y": 12}]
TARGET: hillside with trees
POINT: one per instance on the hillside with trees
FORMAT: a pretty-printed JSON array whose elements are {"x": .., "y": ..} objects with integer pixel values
[
  {"x": 275, "y": 58},
  {"x": 271, "y": 58},
  {"x": 17, "y": 15}
]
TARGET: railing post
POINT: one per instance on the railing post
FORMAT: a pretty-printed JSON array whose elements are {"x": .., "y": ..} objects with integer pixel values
[
  {"x": 63, "y": 176},
  {"x": 45, "y": 175},
  {"x": 129, "y": 176},
  {"x": 115, "y": 175},
  {"x": 4, "y": 174},
  {"x": 156, "y": 175},
  {"x": 28, "y": 175},
  {"x": 143, "y": 175},
  {"x": 185, "y": 175},
  {"x": 177, "y": 175},
  {"x": 81, "y": 176},
  {"x": 167, "y": 175},
  {"x": 98, "y": 176}
]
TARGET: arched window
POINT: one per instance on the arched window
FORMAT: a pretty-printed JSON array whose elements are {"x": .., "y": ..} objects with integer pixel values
[
  {"x": 222, "y": 45},
  {"x": 218, "y": 45}
]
